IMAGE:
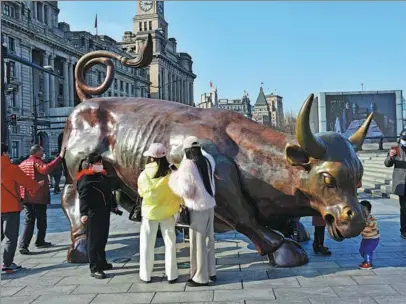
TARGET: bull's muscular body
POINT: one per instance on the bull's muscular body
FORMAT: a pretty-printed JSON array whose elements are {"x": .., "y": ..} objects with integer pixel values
[
  {"x": 261, "y": 175},
  {"x": 254, "y": 181}
]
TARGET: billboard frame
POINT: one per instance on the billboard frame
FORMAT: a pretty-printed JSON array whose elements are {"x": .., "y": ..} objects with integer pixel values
[{"x": 322, "y": 115}]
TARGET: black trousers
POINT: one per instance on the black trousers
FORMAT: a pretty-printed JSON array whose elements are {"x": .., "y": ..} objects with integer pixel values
[
  {"x": 402, "y": 202},
  {"x": 319, "y": 236},
  {"x": 57, "y": 181},
  {"x": 34, "y": 212},
  {"x": 98, "y": 226}
]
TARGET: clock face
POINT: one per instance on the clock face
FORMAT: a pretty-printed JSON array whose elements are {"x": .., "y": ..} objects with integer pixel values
[
  {"x": 160, "y": 7},
  {"x": 146, "y": 5}
]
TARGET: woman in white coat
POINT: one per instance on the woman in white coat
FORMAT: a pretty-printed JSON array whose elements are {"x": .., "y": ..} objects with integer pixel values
[{"x": 194, "y": 182}]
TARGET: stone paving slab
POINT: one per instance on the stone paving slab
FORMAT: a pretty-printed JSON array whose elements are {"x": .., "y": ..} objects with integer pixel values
[
  {"x": 244, "y": 277},
  {"x": 65, "y": 299}
]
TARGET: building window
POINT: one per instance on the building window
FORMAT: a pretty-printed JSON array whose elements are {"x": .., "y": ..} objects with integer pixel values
[
  {"x": 115, "y": 84},
  {"x": 39, "y": 11},
  {"x": 11, "y": 44},
  {"x": 132, "y": 89},
  {"x": 22, "y": 10},
  {"x": 145, "y": 25},
  {"x": 99, "y": 76},
  {"x": 91, "y": 44},
  {"x": 150, "y": 25},
  {"x": 109, "y": 93},
  {"x": 46, "y": 14},
  {"x": 121, "y": 85},
  {"x": 12, "y": 100},
  {"x": 14, "y": 149},
  {"x": 60, "y": 89},
  {"x": 82, "y": 41},
  {"x": 126, "y": 88},
  {"x": 11, "y": 69},
  {"x": 9, "y": 10},
  {"x": 140, "y": 24}
]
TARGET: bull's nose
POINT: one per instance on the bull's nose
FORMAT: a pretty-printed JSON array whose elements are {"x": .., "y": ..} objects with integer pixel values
[{"x": 347, "y": 214}]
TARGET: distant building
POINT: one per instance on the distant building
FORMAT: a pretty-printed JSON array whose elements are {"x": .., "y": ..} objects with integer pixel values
[
  {"x": 210, "y": 100},
  {"x": 262, "y": 113},
  {"x": 241, "y": 106},
  {"x": 276, "y": 108}
]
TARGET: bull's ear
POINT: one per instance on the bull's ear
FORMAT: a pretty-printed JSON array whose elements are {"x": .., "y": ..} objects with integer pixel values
[{"x": 296, "y": 156}]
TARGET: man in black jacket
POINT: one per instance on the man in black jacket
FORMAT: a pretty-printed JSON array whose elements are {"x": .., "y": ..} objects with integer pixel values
[
  {"x": 96, "y": 202},
  {"x": 397, "y": 158}
]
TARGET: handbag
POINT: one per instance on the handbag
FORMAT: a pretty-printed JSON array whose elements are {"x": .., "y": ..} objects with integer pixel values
[
  {"x": 184, "y": 216},
  {"x": 135, "y": 214}
]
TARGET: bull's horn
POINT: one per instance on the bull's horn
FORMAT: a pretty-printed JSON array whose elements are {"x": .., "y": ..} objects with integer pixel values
[
  {"x": 357, "y": 139},
  {"x": 304, "y": 135}
]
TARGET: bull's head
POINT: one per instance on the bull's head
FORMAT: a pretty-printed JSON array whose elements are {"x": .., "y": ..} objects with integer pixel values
[{"x": 331, "y": 172}]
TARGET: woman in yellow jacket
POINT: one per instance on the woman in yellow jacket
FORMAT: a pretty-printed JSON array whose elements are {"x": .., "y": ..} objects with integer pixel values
[{"x": 159, "y": 207}]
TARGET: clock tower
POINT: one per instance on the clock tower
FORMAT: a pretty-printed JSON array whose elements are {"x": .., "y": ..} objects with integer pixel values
[
  {"x": 150, "y": 17},
  {"x": 170, "y": 72}
]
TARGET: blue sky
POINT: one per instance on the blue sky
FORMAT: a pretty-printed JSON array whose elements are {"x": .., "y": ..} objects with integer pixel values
[{"x": 294, "y": 48}]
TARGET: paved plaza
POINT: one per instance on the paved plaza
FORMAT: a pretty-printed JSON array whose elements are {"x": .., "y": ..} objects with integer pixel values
[{"x": 243, "y": 275}]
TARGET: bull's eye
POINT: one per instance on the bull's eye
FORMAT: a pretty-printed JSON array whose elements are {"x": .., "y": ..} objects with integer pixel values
[{"x": 329, "y": 181}]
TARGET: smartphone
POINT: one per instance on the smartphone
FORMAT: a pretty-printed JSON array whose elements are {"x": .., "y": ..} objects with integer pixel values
[{"x": 173, "y": 167}]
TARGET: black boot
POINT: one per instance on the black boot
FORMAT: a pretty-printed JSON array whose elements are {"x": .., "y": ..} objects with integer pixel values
[
  {"x": 402, "y": 201},
  {"x": 318, "y": 243}
]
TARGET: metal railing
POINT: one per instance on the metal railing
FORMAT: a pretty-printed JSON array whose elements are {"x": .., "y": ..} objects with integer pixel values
[{"x": 381, "y": 139}]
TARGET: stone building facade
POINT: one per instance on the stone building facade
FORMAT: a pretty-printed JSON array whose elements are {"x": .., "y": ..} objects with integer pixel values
[
  {"x": 275, "y": 103},
  {"x": 241, "y": 106},
  {"x": 211, "y": 100},
  {"x": 262, "y": 113},
  {"x": 171, "y": 72},
  {"x": 31, "y": 30}
]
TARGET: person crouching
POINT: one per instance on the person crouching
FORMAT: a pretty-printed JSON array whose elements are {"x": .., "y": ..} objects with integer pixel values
[{"x": 96, "y": 202}]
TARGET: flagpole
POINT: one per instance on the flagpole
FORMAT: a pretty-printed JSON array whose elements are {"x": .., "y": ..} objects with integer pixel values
[{"x": 96, "y": 26}]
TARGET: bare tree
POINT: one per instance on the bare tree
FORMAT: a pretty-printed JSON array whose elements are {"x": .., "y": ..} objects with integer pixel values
[{"x": 290, "y": 123}]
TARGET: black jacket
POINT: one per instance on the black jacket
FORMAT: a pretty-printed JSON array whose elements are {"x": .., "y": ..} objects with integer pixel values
[
  {"x": 399, "y": 172},
  {"x": 95, "y": 193}
]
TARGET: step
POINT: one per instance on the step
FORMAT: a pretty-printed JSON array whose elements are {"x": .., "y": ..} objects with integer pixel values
[
  {"x": 365, "y": 190},
  {"x": 378, "y": 167},
  {"x": 370, "y": 185},
  {"x": 375, "y": 174},
  {"x": 382, "y": 154},
  {"x": 379, "y": 162},
  {"x": 377, "y": 180}
]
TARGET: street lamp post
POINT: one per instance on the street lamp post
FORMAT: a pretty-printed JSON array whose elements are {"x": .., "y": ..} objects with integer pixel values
[{"x": 4, "y": 120}]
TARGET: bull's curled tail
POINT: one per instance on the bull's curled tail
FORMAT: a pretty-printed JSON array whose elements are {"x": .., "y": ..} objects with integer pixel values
[{"x": 103, "y": 57}]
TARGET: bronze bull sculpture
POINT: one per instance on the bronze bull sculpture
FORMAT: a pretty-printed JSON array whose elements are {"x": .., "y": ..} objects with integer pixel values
[{"x": 262, "y": 175}]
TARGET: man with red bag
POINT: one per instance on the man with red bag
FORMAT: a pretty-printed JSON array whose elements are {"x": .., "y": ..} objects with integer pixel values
[{"x": 35, "y": 204}]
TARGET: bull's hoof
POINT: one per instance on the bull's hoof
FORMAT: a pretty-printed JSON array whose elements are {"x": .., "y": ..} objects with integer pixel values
[
  {"x": 289, "y": 254},
  {"x": 78, "y": 252}
]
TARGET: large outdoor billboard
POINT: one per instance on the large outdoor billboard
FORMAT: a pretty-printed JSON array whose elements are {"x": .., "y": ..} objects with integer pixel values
[{"x": 345, "y": 113}]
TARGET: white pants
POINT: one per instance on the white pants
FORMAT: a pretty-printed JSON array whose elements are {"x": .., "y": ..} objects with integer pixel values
[
  {"x": 202, "y": 246},
  {"x": 149, "y": 229}
]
